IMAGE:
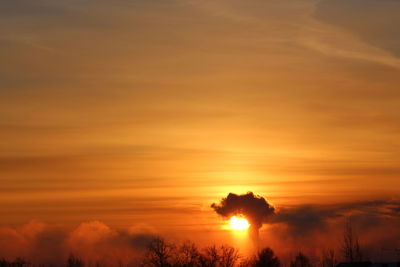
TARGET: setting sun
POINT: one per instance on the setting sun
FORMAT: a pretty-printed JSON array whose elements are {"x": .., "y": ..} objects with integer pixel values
[{"x": 239, "y": 223}]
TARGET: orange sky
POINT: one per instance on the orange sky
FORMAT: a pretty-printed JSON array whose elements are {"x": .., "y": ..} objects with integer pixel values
[{"x": 132, "y": 113}]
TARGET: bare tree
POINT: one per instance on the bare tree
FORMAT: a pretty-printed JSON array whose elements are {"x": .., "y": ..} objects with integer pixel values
[
  {"x": 18, "y": 262},
  {"x": 357, "y": 251},
  {"x": 187, "y": 255},
  {"x": 301, "y": 260},
  {"x": 228, "y": 256},
  {"x": 73, "y": 261},
  {"x": 350, "y": 245},
  {"x": 246, "y": 262},
  {"x": 224, "y": 256},
  {"x": 159, "y": 253},
  {"x": 209, "y": 257},
  {"x": 328, "y": 258}
]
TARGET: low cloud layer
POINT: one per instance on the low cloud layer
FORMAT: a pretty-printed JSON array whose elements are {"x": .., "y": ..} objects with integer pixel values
[
  {"x": 309, "y": 228},
  {"x": 305, "y": 219},
  {"x": 313, "y": 228},
  {"x": 319, "y": 226},
  {"x": 92, "y": 241},
  {"x": 317, "y": 218}
]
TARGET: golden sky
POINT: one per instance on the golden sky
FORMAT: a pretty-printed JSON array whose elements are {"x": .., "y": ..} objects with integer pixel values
[{"x": 138, "y": 111}]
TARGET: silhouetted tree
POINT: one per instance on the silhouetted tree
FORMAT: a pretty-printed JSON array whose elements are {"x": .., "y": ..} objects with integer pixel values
[
  {"x": 187, "y": 255},
  {"x": 18, "y": 262},
  {"x": 159, "y": 253},
  {"x": 266, "y": 258},
  {"x": 301, "y": 260},
  {"x": 328, "y": 258},
  {"x": 247, "y": 262},
  {"x": 4, "y": 263},
  {"x": 209, "y": 257},
  {"x": 224, "y": 256},
  {"x": 73, "y": 261},
  {"x": 350, "y": 245},
  {"x": 228, "y": 256}
]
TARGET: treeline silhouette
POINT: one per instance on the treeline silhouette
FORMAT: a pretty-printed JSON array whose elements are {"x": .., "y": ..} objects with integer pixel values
[{"x": 160, "y": 253}]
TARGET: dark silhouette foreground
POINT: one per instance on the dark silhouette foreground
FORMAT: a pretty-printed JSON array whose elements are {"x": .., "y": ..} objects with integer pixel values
[{"x": 161, "y": 253}]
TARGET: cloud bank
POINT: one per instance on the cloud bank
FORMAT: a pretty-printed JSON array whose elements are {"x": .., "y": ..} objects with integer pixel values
[{"x": 92, "y": 241}]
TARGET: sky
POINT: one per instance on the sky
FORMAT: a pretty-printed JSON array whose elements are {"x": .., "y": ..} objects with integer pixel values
[{"x": 141, "y": 114}]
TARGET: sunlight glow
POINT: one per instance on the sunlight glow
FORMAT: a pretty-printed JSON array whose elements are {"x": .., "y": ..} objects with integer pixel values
[{"x": 239, "y": 223}]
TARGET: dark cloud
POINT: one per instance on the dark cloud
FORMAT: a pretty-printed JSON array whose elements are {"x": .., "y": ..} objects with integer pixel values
[
  {"x": 141, "y": 241},
  {"x": 380, "y": 208},
  {"x": 396, "y": 210},
  {"x": 306, "y": 218},
  {"x": 315, "y": 218},
  {"x": 136, "y": 240},
  {"x": 255, "y": 208}
]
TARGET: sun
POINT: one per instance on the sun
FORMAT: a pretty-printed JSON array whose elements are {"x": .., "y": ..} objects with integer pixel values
[{"x": 239, "y": 223}]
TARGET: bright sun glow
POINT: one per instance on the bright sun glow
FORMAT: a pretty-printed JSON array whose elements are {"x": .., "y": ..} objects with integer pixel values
[{"x": 239, "y": 223}]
